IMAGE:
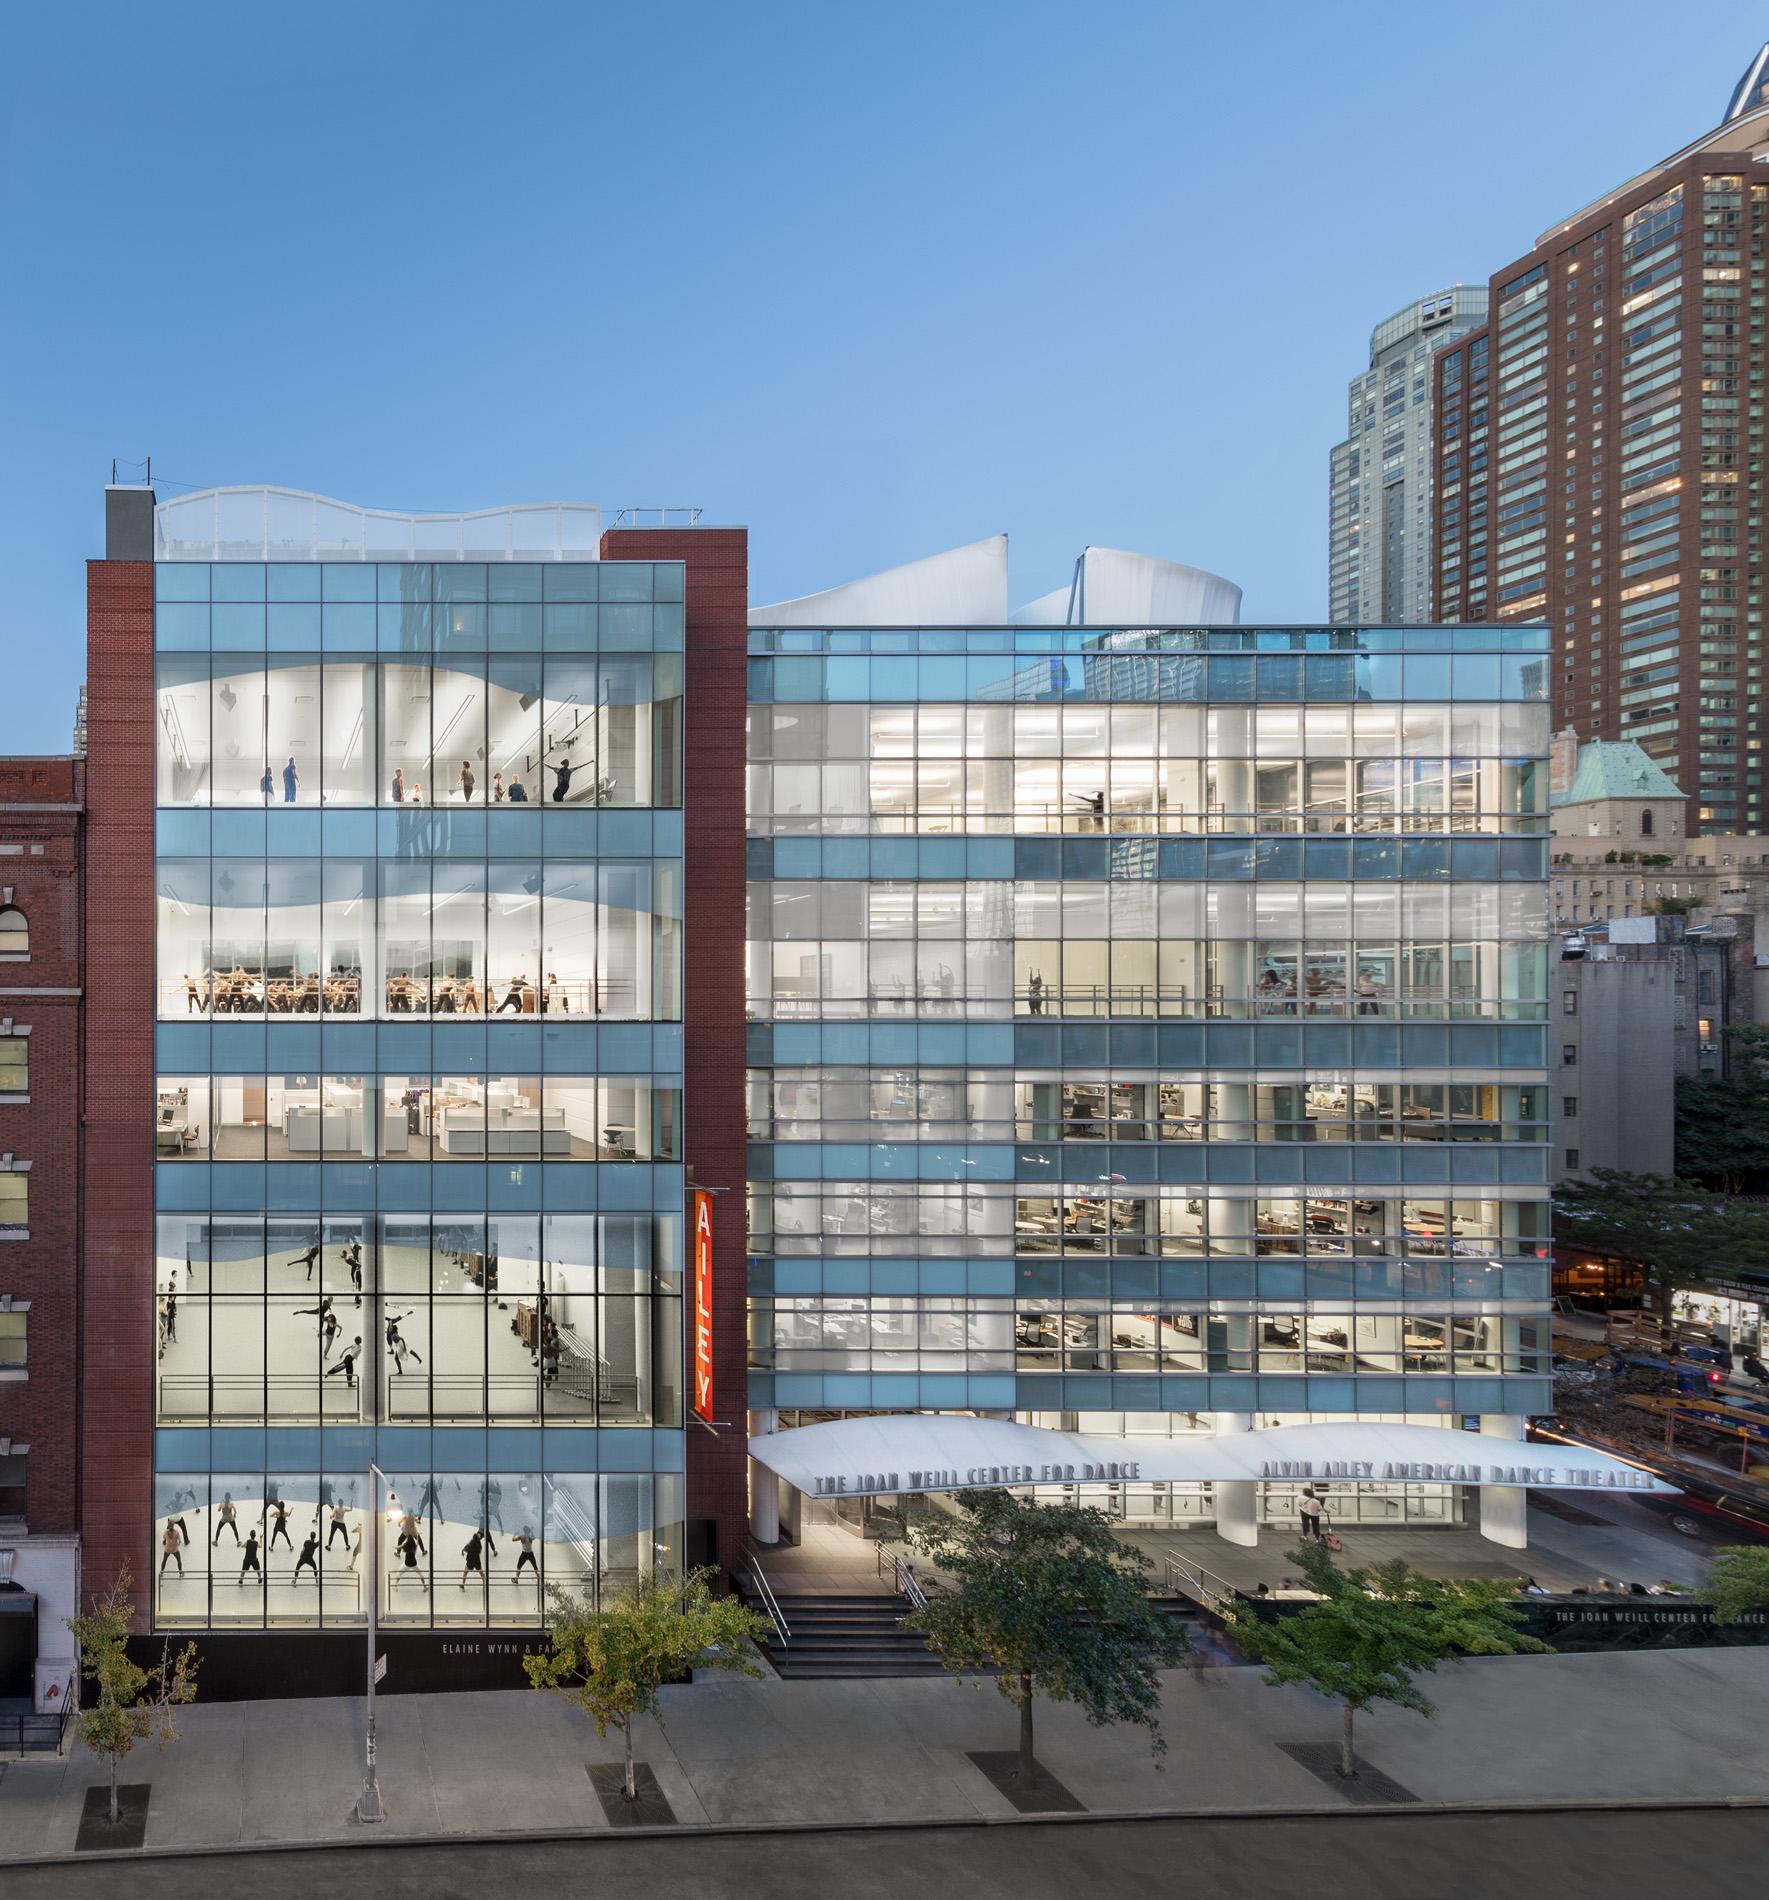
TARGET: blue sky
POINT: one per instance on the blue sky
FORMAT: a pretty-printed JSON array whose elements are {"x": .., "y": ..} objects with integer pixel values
[{"x": 871, "y": 280}]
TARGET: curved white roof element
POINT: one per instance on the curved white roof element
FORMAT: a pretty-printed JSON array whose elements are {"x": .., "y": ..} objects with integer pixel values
[
  {"x": 895, "y": 1452},
  {"x": 288, "y": 524},
  {"x": 1114, "y": 589},
  {"x": 1749, "y": 90},
  {"x": 964, "y": 587}
]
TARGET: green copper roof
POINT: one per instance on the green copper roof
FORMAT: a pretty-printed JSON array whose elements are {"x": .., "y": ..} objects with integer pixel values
[{"x": 1616, "y": 768}]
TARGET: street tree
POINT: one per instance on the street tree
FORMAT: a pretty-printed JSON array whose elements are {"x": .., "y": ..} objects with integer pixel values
[
  {"x": 1723, "y": 1122},
  {"x": 1047, "y": 1595},
  {"x": 132, "y": 1704},
  {"x": 614, "y": 1662},
  {"x": 1739, "y": 1581},
  {"x": 1681, "y": 1236},
  {"x": 1375, "y": 1630}
]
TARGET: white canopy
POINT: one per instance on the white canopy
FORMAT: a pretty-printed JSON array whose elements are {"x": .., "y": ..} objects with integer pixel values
[{"x": 921, "y": 1451}]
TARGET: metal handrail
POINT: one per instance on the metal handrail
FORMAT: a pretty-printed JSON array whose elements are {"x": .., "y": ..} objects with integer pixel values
[
  {"x": 765, "y": 1591},
  {"x": 1193, "y": 1580},
  {"x": 903, "y": 1579}
]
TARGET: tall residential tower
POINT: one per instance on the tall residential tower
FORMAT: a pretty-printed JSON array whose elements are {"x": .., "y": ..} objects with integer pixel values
[
  {"x": 1600, "y": 462},
  {"x": 1380, "y": 558}
]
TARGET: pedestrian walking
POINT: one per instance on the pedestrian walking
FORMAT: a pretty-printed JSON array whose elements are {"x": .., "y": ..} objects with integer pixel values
[{"x": 1309, "y": 1509}]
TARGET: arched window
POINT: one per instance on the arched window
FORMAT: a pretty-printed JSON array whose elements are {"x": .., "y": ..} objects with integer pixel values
[
  {"x": 1646, "y": 824},
  {"x": 15, "y": 935}
]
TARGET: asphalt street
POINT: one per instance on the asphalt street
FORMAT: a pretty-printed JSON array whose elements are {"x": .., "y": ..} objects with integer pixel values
[{"x": 1613, "y": 1855}]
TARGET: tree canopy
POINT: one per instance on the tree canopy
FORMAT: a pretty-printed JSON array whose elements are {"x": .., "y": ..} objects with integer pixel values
[
  {"x": 1739, "y": 1581},
  {"x": 613, "y": 1662},
  {"x": 131, "y": 1704},
  {"x": 1046, "y": 1594},
  {"x": 1723, "y": 1124},
  {"x": 1375, "y": 1630},
  {"x": 1681, "y": 1235}
]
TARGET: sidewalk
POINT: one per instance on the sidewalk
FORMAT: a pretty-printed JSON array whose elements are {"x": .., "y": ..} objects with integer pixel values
[{"x": 1664, "y": 1725}]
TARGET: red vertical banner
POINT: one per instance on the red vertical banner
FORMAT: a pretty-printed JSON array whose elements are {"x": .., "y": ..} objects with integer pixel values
[{"x": 703, "y": 1304}]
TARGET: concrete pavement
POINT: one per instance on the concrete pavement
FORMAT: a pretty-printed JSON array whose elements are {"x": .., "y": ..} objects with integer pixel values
[
  {"x": 1669, "y": 1724},
  {"x": 1350, "y": 1856}
]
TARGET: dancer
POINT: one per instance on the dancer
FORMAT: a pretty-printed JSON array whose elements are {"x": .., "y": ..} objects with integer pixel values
[
  {"x": 279, "y": 1527},
  {"x": 227, "y": 1518},
  {"x": 169, "y": 1314},
  {"x": 355, "y": 1548},
  {"x": 347, "y": 1363},
  {"x": 308, "y": 1258},
  {"x": 309, "y": 1558},
  {"x": 409, "y": 1546},
  {"x": 340, "y": 1527},
  {"x": 352, "y": 1257},
  {"x": 396, "y": 1342},
  {"x": 170, "y": 1547},
  {"x": 525, "y": 1554},
  {"x": 250, "y": 1561},
  {"x": 562, "y": 779},
  {"x": 471, "y": 1553}
]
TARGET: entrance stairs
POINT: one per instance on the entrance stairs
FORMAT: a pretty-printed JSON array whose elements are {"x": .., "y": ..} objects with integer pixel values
[{"x": 846, "y": 1636}]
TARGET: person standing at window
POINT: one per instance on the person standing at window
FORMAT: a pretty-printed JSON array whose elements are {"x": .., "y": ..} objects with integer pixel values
[
  {"x": 399, "y": 785},
  {"x": 291, "y": 781},
  {"x": 518, "y": 793},
  {"x": 467, "y": 780},
  {"x": 497, "y": 788},
  {"x": 267, "y": 785}
]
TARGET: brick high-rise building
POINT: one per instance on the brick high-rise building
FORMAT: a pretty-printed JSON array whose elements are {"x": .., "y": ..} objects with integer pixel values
[
  {"x": 41, "y": 957},
  {"x": 1600, "y": 462}
]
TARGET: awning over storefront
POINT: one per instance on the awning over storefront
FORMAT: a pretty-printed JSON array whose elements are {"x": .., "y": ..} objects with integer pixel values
[{"x": 910, "y": 1451}]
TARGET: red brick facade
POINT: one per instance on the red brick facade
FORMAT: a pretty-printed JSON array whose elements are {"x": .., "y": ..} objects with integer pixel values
[
  {"x": 118, "y": 1312},
  {"x": 713, "y": 996},
  {"x": 40, "y": 845}
]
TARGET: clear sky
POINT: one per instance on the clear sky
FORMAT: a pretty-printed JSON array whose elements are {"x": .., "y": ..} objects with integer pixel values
[{"x": 873, "y": 280}]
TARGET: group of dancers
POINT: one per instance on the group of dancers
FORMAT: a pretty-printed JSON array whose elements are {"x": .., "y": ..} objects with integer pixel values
[{"x": 408, "y": 1544}]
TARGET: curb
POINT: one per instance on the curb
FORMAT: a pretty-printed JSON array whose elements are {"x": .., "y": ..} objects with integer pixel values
[{"x": 1412, "y": 1810}]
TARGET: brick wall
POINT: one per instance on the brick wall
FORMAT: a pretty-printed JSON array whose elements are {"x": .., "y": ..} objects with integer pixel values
[
  {"x": 40, "y": 873},
  {"x": 116, "y": 1503},
  {"x": 713, "y": 794}
]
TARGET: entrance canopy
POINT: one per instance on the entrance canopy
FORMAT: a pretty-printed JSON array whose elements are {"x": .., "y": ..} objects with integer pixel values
[{"x": 919, "y": 1451}]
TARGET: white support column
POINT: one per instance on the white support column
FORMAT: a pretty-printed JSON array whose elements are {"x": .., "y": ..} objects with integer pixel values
[
  {"x": 1504, "y": 1509},
  {"x": 764, "y": 1487},
  {"x": 792, "y": 1511},
  {"x": 1237, "y": 1500}
]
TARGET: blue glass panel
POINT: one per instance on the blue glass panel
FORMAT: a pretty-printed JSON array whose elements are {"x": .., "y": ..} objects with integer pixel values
[
  {"x": 1231, "y": 679},
  {"x": 294, "y": 627},
  {"x": 181, "y": 581},
  {"x": 181, "y": 627},
  {"x": 1428, "y": 677},
  {"x": 404, "y": 627},
  {"x": 237, "y": 627},
  {"x": 237, "y": 580},
  {"x": 347, "y": 580},
  {"x": 1525, "y": 678},
  {"x": 1279, "y": 679},
  {"x": 350, "y": 626},
  {"x": 1376, "y": 857}
]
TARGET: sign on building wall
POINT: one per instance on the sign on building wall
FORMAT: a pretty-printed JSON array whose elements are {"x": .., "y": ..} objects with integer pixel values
[{"x": 703, "y": 1304}]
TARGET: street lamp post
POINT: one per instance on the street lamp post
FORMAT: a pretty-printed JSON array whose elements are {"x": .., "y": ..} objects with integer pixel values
[{"x": 368, "y": 1803}]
